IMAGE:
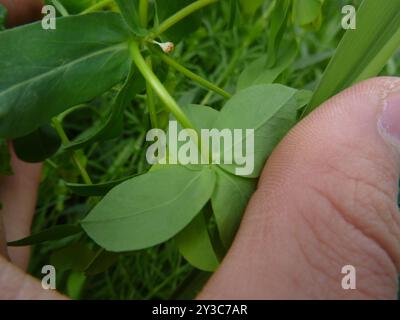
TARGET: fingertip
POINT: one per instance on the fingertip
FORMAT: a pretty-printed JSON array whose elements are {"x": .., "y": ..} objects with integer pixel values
[{"x": 22, "y": 11}]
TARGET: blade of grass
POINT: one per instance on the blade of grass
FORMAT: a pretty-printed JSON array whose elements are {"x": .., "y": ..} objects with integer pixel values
[{"x": 363, "y": 52}]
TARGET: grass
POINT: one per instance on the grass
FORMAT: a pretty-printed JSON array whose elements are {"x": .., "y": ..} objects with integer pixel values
[{"x": 218, "y": 52}]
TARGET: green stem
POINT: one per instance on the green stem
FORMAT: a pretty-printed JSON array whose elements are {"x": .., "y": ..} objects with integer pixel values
[
  {"x": 143, "y": 12},
  {"x": 174, "y": 19},
  {"x": 191, "y": 75},
  {"x": 75, "y": 155},
  {"x": 158, "y": 87},
  {"x": 225, "y": 74},
  {"x": 150, "y": 99},
  {"x": 98, "y": 6}
]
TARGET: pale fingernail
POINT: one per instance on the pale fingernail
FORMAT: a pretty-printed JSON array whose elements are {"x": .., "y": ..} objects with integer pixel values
[{"x": 389, "y": 123}]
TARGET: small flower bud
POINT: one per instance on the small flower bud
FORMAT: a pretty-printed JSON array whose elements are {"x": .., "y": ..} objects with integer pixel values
[{"x": 167, "y": 47}]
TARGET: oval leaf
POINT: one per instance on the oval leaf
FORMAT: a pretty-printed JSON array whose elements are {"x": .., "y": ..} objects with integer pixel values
[
  {"x": 44, "y": 72},
  {"x": 270, "y": 110},
  {"x": 149, "y": 209},
  {"x": 195, "y": 245},
  {"x": 229, "y": 200}
]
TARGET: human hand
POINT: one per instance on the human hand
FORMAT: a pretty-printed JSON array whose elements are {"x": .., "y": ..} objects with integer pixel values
[{"x": 327, "y": 198}]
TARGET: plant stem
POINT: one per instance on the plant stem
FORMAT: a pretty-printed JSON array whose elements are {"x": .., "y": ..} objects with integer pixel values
[
  {"x": 158, "y": 87},
  {"x": 203, "y": 82},
  {"x": 225, "y": 74},
  {"x": 143, "y": 12},
  {"x": 150, "y": 99},
  {"x": 75, "y": 155},
  {"x": 174, "y": 19},
  {"x": 97, "y": 6}
]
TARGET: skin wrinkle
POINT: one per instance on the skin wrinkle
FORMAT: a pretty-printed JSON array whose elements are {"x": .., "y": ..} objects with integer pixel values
[
  {"x": 323, "y": 275},
  {"x": 377, "y": 188},
  {"x": 319, "y": 228},
  {"x": 294, "y": 280},
  {"x": 337, "y": 207},
  {"x": 351, "y": 247},
  {"x": 369, "y": 196},
  {"x": 269, "y": 225}
]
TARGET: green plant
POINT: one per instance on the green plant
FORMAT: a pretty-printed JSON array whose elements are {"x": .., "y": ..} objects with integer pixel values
[{"x": 101, "y": 62}]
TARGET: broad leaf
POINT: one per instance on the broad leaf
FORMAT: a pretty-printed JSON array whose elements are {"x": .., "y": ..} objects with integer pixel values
[
  {"x": 38, "y": 145},
  {"x": 363, "y": 52},
  {"x": 229, "y": 200},
  {"x": 53, "y": 233},
  {"x": 45, "y": 72},
  {"x": 195, "y": 245},
  {"x": 270, "y": 110},
  {"x": 149, "y": 209},
  {"x": 129, "y": 11}
]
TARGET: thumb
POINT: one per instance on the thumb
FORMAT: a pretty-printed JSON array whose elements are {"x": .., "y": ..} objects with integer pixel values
[{"x": 327, "y": 199}]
